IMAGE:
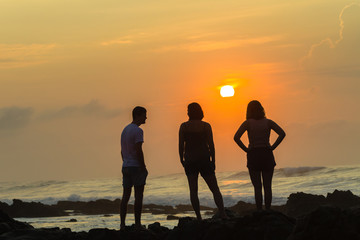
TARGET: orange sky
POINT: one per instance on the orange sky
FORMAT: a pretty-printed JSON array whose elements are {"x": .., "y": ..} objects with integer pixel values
[{"x": 70, "y": 73}]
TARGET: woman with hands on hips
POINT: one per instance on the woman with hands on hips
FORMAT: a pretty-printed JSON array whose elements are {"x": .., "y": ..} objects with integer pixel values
[{"x": 260, "y": 157}]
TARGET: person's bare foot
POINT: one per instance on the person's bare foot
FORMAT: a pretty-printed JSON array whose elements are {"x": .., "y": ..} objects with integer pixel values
[
  {"x": 122, "y": 227},
  {"x": 223, "y": 215},
  {"x": 139, "y": 227}
]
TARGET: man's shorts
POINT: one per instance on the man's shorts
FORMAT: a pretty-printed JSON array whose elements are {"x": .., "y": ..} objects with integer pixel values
[{"x": 134, "y": 176}]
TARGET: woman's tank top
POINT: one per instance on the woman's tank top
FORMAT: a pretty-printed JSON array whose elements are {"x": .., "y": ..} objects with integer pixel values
[
  {"x": 196, "y": 145},
  {"x": 258, "y": 133}
]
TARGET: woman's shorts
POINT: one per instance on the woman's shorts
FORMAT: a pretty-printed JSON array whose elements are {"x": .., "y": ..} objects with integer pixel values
[
  {"x": 134, "y": 176},
  {"x": 260, "y": 159},
  {"x": 205, "y": 168}
]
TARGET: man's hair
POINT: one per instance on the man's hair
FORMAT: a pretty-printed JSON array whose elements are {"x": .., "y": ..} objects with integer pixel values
[
  {"x": 255, "y": 110},
  {"x": 137, "y": 111},
  {"x": 195, "y": 112}
]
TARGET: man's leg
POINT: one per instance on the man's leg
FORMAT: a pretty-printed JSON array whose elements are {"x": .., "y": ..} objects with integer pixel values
[
  {"x": 123, "y": 205},
  {"x": 139, "y": 194}
]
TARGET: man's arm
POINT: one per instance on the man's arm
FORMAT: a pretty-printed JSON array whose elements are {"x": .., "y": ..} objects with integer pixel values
[
  {"x": 140, "y": 154},
  {"x": 181, "y": 145}
]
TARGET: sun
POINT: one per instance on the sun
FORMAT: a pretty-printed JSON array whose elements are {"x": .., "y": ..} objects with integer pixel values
[{"x": 227, "y": 91}]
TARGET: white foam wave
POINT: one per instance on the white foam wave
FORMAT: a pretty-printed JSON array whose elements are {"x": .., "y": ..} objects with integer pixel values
[{"x": 298, "y": 171}]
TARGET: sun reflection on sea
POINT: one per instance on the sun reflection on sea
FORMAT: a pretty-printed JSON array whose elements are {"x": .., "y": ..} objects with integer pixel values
[{"x": 228, "y": 182}]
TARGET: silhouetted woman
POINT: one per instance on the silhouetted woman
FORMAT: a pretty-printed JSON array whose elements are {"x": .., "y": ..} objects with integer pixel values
[
  {"x": 197, "y": 155},
  {"x": 260, "y": 158}
]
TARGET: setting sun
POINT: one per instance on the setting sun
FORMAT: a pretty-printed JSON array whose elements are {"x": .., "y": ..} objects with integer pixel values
[{"x": 227, "y": 91}]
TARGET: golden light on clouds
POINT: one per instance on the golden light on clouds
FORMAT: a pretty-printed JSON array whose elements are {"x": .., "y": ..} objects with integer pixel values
[
  {"x": 19, "y": 55},
  {"x": 119, "y": 41}
]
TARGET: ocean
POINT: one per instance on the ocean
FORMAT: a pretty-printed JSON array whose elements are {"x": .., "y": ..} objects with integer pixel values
[{"x": 173, "y": 190}]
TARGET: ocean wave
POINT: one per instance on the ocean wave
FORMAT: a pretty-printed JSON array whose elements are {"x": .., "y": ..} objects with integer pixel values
[
  {"x": 173, "y": 189},
  {"x": 298, "y": 171},
  {"x": 237, "y": 175},
  {"x": 40, "y": 184}
]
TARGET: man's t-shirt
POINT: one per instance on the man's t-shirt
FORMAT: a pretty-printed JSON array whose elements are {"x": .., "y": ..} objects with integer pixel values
[{"x": 131, "y": 135}]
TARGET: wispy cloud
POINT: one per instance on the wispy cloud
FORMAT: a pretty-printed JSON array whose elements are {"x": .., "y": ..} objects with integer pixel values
[
  {"x": 117, "y": 41},
  {"x": 93, "y": 108},
  {"x": 17, "y": 117},
  {"x": 212, "y": 45},
  {"x": 20, "y": 55},
  {"x": 128, "y": 39},
  {"x": 328, "y": 41},
  {"x": 14, "y": 117}
]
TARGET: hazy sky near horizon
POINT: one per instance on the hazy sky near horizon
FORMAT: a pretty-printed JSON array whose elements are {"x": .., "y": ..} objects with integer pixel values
[{"x": 71, "y": 72}]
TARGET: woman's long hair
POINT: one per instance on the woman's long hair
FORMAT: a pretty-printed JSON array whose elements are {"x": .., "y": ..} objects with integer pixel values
[
  {"x": 255, "y": 110},
  {"x": 195, "y": 112}
]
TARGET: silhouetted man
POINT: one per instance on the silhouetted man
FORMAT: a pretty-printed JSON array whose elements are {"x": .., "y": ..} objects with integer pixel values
[{"x": 133, "y": 169}]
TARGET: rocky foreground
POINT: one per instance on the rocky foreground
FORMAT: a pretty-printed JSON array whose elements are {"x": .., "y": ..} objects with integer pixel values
[{"x": 336, "y": 216}]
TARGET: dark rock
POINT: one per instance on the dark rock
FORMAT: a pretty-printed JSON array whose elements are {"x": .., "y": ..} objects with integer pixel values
[
  {"x": 159, "y": 230},
  {"x": 185, "y": 208},
  {"x": 260, "y": 225},
  {"x": 330, "y": 223},
  {"x": 243, "y": 208},
  {"x": 229, "y": 213},
  {"x": 172, "y": 217},
  {"x": 302, "y": 203},
  {"x": 188, "y": 228},
  {"x": 159, "y": 209},
  {"x": 343, "y": 199},
  {"x": 39, "y": 234},
  {"x": 103, "y": 233},
  {"x": 8, "y": 224},
  {"x": 31, "y": 209},
  {"x": 72, "y": 220},
  {"x": 100, "y": 206},
  {"x": 185, "y": 220},
  {"x": 263, "y": 225}
]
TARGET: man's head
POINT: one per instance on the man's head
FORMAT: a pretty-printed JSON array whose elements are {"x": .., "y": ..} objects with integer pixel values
[{"x": 139, "y": 115}]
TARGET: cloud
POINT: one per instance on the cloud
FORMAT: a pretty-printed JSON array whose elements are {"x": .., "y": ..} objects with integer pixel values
[
  {"x": 14, "y": 117},
  {"x": 128, "y": 39},
  {"x": 93, "y": 108},
  {"x": 116, "y": 41},
  {"x": 329, "y": 52},
  {"x": 212, "y": 45},
  {"x": 20, "y": 55}
]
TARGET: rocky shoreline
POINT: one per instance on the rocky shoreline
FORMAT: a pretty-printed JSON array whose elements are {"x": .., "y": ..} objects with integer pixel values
[
  {"x": 304, "y": 216},
  {"x": 297, "y": 204},
  {"x": 20, "y": 209}
]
